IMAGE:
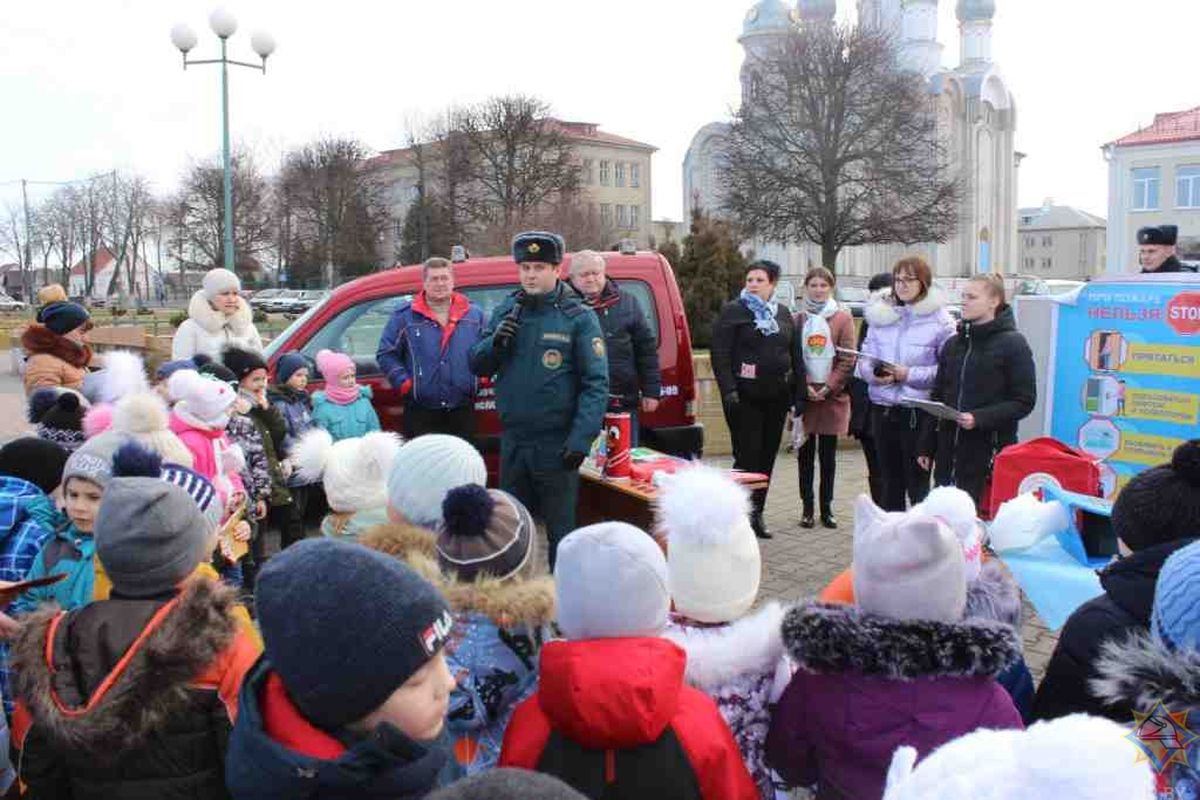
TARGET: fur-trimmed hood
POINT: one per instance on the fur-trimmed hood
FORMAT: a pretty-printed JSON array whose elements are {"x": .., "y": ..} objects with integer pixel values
[
  {"x": 1140, "y": 670},
  {"x": 400, "y": 540},
  {"x": 834, "y": 639},
  {"x": 212, "y": 321},
  {"x": 881, "y": 309},
  {"x": 717, "y": 655},
  {"x": 154, "y": 685},
  {"x": 40, "y": 340}
]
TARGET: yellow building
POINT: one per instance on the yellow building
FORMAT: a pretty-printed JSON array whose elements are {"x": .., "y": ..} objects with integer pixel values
[{"x": 1060, "y": 242}]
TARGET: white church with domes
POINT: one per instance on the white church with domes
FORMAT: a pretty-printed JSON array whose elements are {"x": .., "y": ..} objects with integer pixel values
[{"x": 975, "y": 110}]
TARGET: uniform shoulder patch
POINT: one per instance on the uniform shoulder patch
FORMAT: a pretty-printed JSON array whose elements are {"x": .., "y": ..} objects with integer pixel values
[{"x": 598, "y": 346}]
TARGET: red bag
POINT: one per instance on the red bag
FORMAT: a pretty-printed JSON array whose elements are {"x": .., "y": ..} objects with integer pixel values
[{"x": 1020, "y": 468}]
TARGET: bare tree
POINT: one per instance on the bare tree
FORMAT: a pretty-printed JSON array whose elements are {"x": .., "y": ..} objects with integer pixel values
[
  {"x": 62, "y": 228},
  {"x": 835, "y": 145},
  {"x": 335, "y": 204},
  {"x": 94, "y": 197},
  {"x": 202, "y": 221},
  {"x": 128, "y": 221}
]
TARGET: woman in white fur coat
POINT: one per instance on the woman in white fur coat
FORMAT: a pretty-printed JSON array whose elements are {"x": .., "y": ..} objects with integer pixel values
[
  {"x": 713, "y": 570},
  {"x": 218, "y": 317}
]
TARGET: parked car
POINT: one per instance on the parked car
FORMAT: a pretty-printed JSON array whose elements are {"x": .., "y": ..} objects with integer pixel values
[
  {"x": 1059, "y": 286},
  {"x": 853, "y": 299},
  {"x": 352, "y": 317},
  {"x": 305, "y": 300},
  {"x": 260, "y": 299},
  {"x": 7, "y": 303},
  {"x": 280, "y": 302}
]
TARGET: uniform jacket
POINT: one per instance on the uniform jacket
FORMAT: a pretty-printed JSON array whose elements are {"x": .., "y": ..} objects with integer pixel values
[
  {"x": 429, "y": 363},
  {"x": 213, "y": 455},
  {"x": 867, "y": 684},
  {"x": 1136, "y": 673},
  {"x": 244, "y": 432},
  {"x": 276, "y": 754},
  {"x": 208, "y": 331},
  {"x": 632, "y": 348},
  {"x": 1122, "y": 610},
  {"x": 758, "y": 367},
  {"x": 1172, "y": 264},
  {"x": 911, "y": 336},
  {"x": 346, "y": 421},
  {"x": 130, "y": 698},
  {"x": 71, "y": 552},
  {"x": 737, "y": 665},
  {"x": 614, "y": 718},
  {"x": 351, "y": 525},
  {"x": 986, "y": 369},
  {"x": 52, "y": 360},
  {"x": 831, "y": 416},
  {"x": 296, "y": 409},
  {"x": 552, "y": 382}
]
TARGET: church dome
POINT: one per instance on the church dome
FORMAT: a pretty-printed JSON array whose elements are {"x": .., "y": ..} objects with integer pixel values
[
  {"x": 975, "y": 10},
  {"x": 817, "y": 10},
  {"x": 767, "y": 16}
]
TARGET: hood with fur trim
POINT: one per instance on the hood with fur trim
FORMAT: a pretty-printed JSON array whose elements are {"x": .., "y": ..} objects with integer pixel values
[
  {"x": 400, "y": 540},
  {"x": 212, "y": 321},
  {"x": 881, "y": 309},
  {"x": 40, "y": 340},
  {"x": 1140, "y": 670},
  {"x": 717, "y": 655},
  {"x": 834, "y": 639},
  {"x": 153, "y": 686}
]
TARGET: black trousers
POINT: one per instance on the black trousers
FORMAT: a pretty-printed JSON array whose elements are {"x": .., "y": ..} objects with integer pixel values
[
  {"x": 458, "y": 422},
  {"x": 874, "y": 471},
  {"x": 897, "y": 431},
  {"x": 756, "y": 427},
  {"x": 823, "y": 446},
  {"x": 294, "y": 519}
]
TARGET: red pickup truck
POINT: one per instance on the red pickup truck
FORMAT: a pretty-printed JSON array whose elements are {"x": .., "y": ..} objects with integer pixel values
[{"x": 352, "y": 318}]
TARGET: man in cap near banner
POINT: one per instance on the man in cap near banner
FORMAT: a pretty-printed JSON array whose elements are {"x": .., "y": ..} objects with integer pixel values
[{"x": 1156, "y": 249}]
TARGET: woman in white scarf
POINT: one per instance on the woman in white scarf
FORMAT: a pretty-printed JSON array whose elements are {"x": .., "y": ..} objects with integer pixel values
[{"x": 824, "y": 328}]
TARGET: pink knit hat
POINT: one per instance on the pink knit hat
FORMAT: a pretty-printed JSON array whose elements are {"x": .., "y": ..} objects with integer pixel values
[{"x": 333, "y": 365}]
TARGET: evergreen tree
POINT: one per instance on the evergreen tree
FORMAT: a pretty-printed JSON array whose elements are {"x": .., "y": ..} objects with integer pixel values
[{"x": 710, "y": 272}]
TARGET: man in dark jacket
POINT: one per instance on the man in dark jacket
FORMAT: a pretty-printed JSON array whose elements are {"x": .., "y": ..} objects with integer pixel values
[
  {"x": 425, "y": 351},
  {"x": 546, "y": 352},
  {"x": 633, "y": 376},
  {"x": 1157, "y": 513},
  {"x": 1156, "y": 250}
]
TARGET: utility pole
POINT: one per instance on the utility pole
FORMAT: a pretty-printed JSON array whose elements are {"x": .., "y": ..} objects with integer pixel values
[{"x": 25, "y": 288}]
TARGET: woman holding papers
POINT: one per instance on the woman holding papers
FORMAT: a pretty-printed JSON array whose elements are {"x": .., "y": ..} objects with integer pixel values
[
  {"x": 826, "y": 334},
  {"x": 909, "y": 324},
  {"x": 985, "y": 372}
]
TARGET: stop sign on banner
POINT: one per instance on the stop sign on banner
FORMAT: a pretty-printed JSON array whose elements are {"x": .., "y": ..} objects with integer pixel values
[{"x": 1183, "y": 313}]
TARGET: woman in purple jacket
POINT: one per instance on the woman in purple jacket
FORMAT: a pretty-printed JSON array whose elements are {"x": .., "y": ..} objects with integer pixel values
[{"x": 909, "y": 325}]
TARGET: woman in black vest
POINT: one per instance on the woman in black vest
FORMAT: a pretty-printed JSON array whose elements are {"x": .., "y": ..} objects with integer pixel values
[{"x": 755, "y": 365}]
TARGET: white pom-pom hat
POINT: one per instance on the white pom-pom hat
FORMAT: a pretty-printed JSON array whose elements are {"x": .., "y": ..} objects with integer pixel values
[{"x": 354, "y": 472}]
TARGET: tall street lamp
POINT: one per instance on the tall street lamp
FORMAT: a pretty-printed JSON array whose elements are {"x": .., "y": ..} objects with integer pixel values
[{"x": 224, "y": 25}]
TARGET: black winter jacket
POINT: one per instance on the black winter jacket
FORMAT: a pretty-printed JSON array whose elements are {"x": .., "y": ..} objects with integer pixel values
[
  {"x": 1172, "y": 264},
  {"x": 632, "y": 349},
  {"x": 757, "y": 367},
  {"x": 154, "y": 727},
  {"x": 1122, "y": 610},
  {"x": 986, "y": 369}
]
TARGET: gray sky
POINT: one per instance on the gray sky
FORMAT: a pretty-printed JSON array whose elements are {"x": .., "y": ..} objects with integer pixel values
[{"x": 92, "y": 86}]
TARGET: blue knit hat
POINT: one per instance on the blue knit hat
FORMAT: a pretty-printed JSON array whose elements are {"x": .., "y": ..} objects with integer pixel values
[
  {"x": 169, "y": 368},
  {"x": 345, "y": 627},
  {"x": 288, "y": 364},
  {"x": 1176, "y": 616},
  {"x": 62, "y": 318}
]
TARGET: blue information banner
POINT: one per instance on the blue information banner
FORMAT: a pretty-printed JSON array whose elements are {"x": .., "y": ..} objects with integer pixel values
[{"x": 1126, "y": 372}]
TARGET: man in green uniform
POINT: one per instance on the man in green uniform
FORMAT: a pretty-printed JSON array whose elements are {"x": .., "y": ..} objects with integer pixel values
[{"x": 545, "y": 351}]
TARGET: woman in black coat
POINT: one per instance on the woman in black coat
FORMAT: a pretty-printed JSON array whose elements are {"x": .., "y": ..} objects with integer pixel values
[
  {"x": 986, "y": 372},
  {"x": 756, "y": 367}
]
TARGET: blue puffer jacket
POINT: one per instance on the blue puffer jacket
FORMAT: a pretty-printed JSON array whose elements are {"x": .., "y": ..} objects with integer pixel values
[
  {"x": 257, "y": 767},
  {"x": 296, "y": 408},
  {"x": 429, "y": 363},
  {"x": 346, "y": 421},
  {"x": 71, "y": 552}
]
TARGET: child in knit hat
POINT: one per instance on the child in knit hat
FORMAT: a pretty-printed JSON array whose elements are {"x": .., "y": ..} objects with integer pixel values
[
  {"x": 612, "y": 715},
  {"x": 507, "y": 784},
  {"x": 1162, "y": 665},
  {"x": 58, "y": 416},
  {"x": 1156, "y": 514},
  {"x": 354, "y": 475},
  {"x": 343, "y": 407},
  {"x": 424, "y": 472},
  {"x": 903, "y": 667},
  {"x": 199, "y": 419},
  {"x": 713, "y": 572},
  {"x": 152, "y": 689},
  {"x": 1081, "y": 757},
  {"x": 486, "y": 549},
  {"x": 350, "y": 697},
  {"x": 288, "y": 396}
]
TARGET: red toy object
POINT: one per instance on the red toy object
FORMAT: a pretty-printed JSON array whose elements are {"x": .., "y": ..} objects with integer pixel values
[
  {"x": 1030, "y": 465},
  {"x": 618, "y": 462}
]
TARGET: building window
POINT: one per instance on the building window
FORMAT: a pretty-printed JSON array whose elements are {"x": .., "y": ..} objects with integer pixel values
[
  {"x": 1187, "y": 186},
  {"x": 635, "y": 176},
  {"x": 1030, "y": 241},
  {"x": 1145, "y": 188},
  {"x": 635, "y": 214},
  {"x": 1028, "y": 263},
  {"x": 1047, "y": 241},
  {"x": 1046, "y": 263},
  {"x": 619, "y": 174},
  {"x": 605, "y": 168},
  {"x": 605, "y": 208},
  {"x": 589, "y": 173},
  {"x": 622, "y": 216},
  {"x": 397, "y": 230}
]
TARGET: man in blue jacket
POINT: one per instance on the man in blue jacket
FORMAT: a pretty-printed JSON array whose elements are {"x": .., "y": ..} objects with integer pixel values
[
  {"x": 425, "y": 351},
  {"x": 546, "y": 352}
]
